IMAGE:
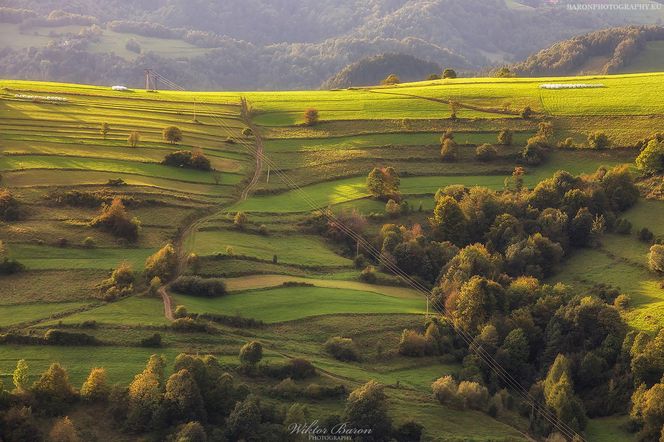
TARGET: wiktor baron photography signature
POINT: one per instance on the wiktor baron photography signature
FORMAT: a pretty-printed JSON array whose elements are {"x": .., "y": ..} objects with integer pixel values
[{"x": 340, "y": 431}]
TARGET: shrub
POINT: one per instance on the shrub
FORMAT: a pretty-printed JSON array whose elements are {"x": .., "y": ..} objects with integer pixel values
[
  {"x": 63, "y": 430},
  {"x": 527, "y": 113},
  {"x": 311, "y": 117},
  {"x": 343, "y": 349},
  {"x": 645, "y": 235},
  {"x": 89, "y": 243},
  {"x": 449, "y": 73},
  {"x": 58, "y": 337},
  {"x": 172, "y": 134},
  {"x": 532, "y": 154},
  {"x": 153, "y": 341},
  {"x": 408, "y": 432},
  {"x": 9, "y": 207},
  {"x": 287, "y": 388},
  {"x": 445, "y": 390},
  {"x": 598, "y": 140},
  {"x": 197, "y": 286},
  {"x": 622, "y": 302},
  {"x": 623, "y": 226},
  {"x": 300, "y": 368},
  {"x": 188, "y": 325},
  {"x": 240, "y": 220},
  {"x": 472, "y": 395},
  {"x": 369, "y": 274},
  {"x": 251, "y": 353},
  {"x": 316, "y": 391},
  {"x": 247, "y": 132},
  {"x": 412, "y": 344},
  {"x": 10, "y": 266},
  {"x": 392, "y": 208},
  {"x": 486, "y": 152},
  {"x": 115, "y": 219},
  {"x": 188, "y": 159},
  {"x": 180, "y": 312}
]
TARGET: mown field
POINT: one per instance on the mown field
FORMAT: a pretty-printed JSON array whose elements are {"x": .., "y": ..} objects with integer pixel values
[{"x": 303, "y": 286}]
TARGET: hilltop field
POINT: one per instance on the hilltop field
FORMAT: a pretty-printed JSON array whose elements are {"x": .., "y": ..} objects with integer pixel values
[{"x": 63, "y": 157}]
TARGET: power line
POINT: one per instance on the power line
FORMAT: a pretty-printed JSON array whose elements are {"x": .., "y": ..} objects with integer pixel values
[{"x": 489, "y": 360}]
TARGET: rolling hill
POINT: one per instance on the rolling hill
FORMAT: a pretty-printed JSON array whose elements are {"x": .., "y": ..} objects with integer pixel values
[{"x": 293, "y": 281}]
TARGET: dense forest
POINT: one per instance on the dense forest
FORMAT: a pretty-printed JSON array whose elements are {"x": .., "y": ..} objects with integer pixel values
[{"x": 288, "y": 44}]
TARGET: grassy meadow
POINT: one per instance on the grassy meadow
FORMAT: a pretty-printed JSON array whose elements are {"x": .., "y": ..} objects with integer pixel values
[{"x": 301, "y": 285}]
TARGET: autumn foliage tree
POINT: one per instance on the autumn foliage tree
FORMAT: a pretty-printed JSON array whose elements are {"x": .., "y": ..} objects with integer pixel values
[
  {"x": 163, "y": 264},
  {"x": 114, "y": 218},
  {"x": 383, "y": 183}
]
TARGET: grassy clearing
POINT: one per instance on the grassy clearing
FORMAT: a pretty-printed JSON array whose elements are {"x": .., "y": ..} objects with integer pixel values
[
  {"x": 589, "y": 267},
  {"x": 289, "y": 303},
  {"x": 608, "y": 429},
  {"x": 135, "y": 311},
  {"x": 299, "y": 250},
  {"x": 647, "y": 213},
  {"x": 47, "y": 286},
  {"x": 18, "y": 313},
  {"x": 36, "y": 257}
]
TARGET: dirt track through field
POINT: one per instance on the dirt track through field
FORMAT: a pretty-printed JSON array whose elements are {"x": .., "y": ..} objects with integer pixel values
[{"x": 191, "y": 228}]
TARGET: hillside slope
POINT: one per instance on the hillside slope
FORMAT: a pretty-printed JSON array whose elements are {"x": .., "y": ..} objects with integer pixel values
[
  {"x": 273, "y": 45},
  {"x": 609, "y": 51},
  {"x": 370, "y": 71}
]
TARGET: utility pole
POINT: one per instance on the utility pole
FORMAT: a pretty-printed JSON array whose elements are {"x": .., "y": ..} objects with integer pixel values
[
  {"x": 268, "y": 174},
  {"x": 194, "y": 110},
  {"x": 148, "y": 75}
]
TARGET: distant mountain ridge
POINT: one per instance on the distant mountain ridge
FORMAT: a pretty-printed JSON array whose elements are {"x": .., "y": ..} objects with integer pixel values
[
  {"x": 371, "y": 70},
  {"x": 276, "y": 44},
  {"x": 608, "y": 51}
]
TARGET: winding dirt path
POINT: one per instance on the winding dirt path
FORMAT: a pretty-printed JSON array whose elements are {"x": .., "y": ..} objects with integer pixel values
[
  {"x": 168, "y": 307},
  {"x": 189, "y": 231}
]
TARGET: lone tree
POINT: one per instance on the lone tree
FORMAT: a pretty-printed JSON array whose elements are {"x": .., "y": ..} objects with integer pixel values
[
  {"x": 104, "y": 129},
  {"x": 656, "y": 258},
  {"x": 505, "y": 137},
  {"x": 115, "y": 219},
  {"x": 367, "y": 408},
  {"x": 134, "y": 138},
  {"x": 390, "y": 80},
  {"x": 251, "y": 353},
  {"x": 162, "y": 264},
  {"x": 449, "y": 73},
  {"x": 172, "y": 134},
  {"x": 384, "y": 183},
  {"x": 240, "y": 220},
  {"x": 449, "y": 150},
  {"x": 311, "y": 117}
]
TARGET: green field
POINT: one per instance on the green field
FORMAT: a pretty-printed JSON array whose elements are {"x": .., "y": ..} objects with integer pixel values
[{"x": 289, "y": 303}]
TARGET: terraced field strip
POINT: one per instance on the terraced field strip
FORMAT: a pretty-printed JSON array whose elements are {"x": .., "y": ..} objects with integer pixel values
[
  {"x": 264, "y": 281},
  {"x": 20, "y": 313},
  {"x": 290, "y": 303},
  {"x": 384, "y": 140},
  {"x": 42, "y": 257},
  {"x": 301, "y": 250}
]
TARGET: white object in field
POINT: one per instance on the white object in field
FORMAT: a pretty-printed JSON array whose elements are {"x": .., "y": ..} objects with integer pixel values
[
  {"x": 120, "y": 88},
  {"x": 37, "y": 98},
  {"x": 570, "y": 85}
]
